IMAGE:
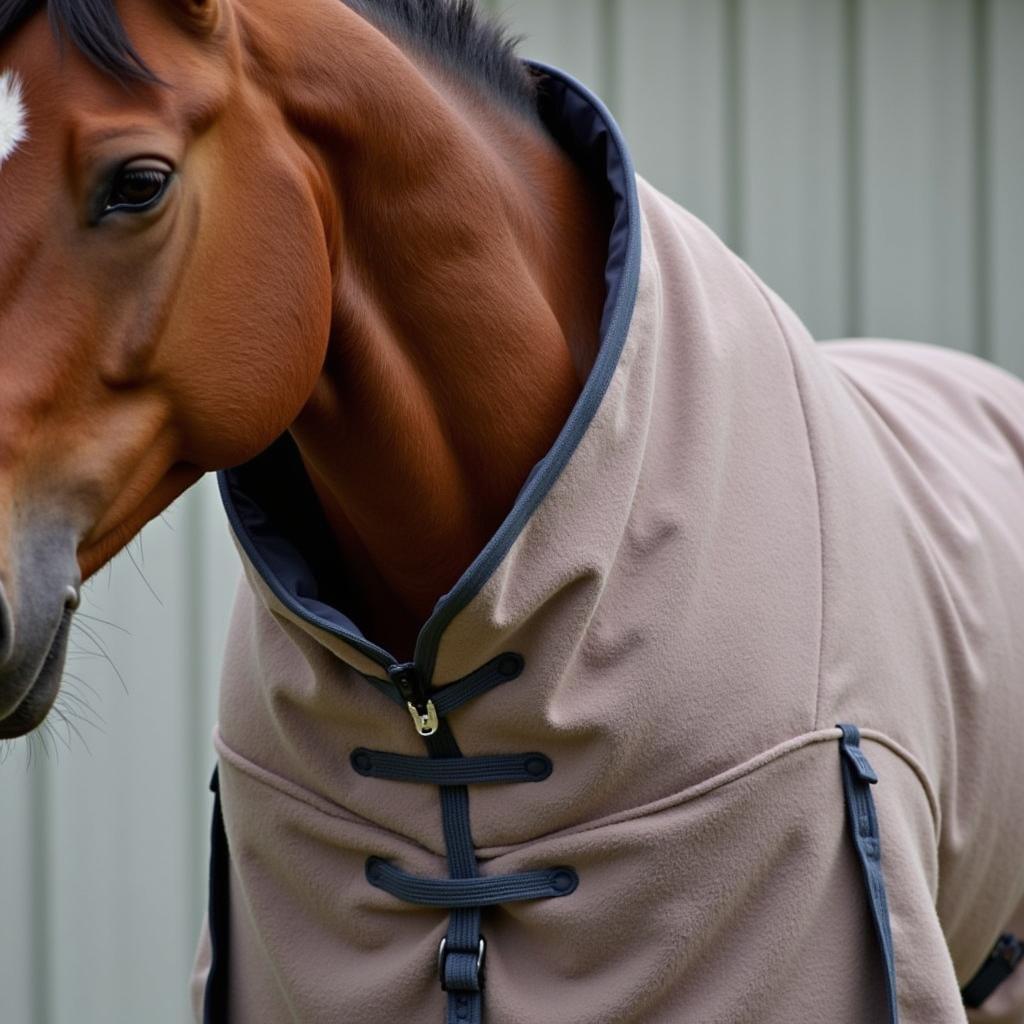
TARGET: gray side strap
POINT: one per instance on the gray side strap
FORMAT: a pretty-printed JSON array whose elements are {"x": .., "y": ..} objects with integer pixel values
[{"x": 858, "y": 778}]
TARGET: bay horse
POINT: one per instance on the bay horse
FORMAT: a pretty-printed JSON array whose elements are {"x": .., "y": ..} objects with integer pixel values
[{"x": 513, "y": 447}]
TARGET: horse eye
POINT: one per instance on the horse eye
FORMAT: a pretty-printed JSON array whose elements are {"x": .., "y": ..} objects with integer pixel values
[{"x": 137, "y": 188}]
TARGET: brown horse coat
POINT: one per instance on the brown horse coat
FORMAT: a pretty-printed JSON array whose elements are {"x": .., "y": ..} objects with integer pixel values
[{"x": 741, "y": 538}]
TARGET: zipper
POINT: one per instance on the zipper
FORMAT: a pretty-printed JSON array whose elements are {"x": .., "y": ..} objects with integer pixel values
[{"x": 416, "y": 696}]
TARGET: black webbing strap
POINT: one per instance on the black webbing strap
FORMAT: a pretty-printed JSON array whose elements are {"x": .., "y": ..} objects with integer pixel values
[
  {"x": 460, "y": 958},
  {"x": 470, "y": 892},
  {"x": 215, "y": 999},
  {"x": 858, "y": 778},
  {"x": 1001, "y": 963},
  {"x": 451, "y": 771}
]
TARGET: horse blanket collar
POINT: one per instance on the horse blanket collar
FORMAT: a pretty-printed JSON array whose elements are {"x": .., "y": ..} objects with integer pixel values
[{"x": 611, "y": 787}]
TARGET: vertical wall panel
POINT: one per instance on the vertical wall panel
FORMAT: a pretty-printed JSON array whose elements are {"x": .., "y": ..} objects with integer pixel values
[
  {"x": 917, "y": 189},
  {"x": 794, "y": 155},
  {"x": 105, "y": 835},
  {"x": 1005, "y": 188},
  {"x": 120, "y": 810},
  {"x": 216, "y": 570},
  {"x": 18, "y": 872},
  {"x": 674, "y": 100}
]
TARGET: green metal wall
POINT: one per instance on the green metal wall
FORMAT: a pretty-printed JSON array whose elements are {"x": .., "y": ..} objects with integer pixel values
[{"x": 864, "y": 155}]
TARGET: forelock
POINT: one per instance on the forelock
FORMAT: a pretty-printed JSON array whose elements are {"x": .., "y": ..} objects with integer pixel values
[
  {"x": 453, "y": 32},
  {"x": 92, "y": 26}
]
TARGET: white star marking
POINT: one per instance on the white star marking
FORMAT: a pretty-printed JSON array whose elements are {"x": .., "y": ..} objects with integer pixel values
[{"x": 13, "y": 116}]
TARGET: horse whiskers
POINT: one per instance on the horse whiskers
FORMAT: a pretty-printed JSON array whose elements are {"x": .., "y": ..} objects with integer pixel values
[
  {"x": 84, "y": 682},
  {"x": 83, "y": 710},
  {"x": 91, "y": 635},
  {"x": 38, "y": 739},
  {"x": 142, "y": 575},
  {"x": 77, "y": 654},
  {"x": 65, "y": 739},
  {"x": 69, "y": 717},
  {"x": 105, "y": 622}
]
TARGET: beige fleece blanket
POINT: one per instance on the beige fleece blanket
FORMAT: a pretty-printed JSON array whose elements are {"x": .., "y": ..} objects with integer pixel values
[{"x": 757, "y": 537}]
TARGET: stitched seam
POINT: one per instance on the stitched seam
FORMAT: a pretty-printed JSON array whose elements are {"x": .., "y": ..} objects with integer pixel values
[
  {"x": 294, "y": 791},
  {"x": 876, "y": 736},
  {"x": 788, "y": 345},
  {"x": 735, "y": 774},
  {"x": 686, "y": 796}
]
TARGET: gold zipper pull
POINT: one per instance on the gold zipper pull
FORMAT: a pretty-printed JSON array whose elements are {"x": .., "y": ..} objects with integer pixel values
[
  {"x": 421, "y": 707},
  {"x": 425, "y": 721}
]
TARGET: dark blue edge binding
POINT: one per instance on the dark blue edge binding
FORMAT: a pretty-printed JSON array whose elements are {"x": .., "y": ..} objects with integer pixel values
[{"x": 858, "y": 778}]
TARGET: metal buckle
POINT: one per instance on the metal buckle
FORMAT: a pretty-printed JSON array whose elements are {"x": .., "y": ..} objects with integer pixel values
[
  {"x": 1009, "y": 949},
  {"x": 442, "y": 954}
]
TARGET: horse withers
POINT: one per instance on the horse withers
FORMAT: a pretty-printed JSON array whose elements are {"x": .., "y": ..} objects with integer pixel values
[{"x": 709, "y": 634}]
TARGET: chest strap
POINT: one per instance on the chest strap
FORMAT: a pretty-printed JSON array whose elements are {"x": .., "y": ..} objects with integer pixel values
[
  {"x": 465, "y": 893},
  {"x": 1001, "y": 963}
]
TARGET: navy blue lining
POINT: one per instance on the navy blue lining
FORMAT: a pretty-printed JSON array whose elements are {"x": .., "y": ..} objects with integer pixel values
[
  {"x": 858, "y": 778},
  {"x": 583, "y": 126},
  {"x": 602, "y": 146}
]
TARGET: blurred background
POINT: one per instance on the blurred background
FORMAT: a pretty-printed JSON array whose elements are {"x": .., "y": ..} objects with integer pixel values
[{"x": 865, "y": 156}]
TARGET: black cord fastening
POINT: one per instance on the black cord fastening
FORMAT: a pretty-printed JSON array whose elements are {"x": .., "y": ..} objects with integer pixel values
[
  {"x": 464, "y": 892},
  {"x": 451, "y": 771},
  {"x": 510, "y": 665}
]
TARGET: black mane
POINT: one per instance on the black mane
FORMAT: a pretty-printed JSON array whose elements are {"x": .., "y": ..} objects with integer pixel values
[
  {"x": 457, "y": 34},
  {"x": 91, "y": 25},
  {"x": 454, "y": 32}
]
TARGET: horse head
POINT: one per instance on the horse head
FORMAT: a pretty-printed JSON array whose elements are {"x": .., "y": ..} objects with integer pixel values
[
  {"x": 165, "y": 285},
  {"x": 221, "y": 221}
]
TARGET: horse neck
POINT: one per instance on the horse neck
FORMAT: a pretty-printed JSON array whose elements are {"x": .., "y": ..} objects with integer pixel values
[{"x": 468, "y": 269}]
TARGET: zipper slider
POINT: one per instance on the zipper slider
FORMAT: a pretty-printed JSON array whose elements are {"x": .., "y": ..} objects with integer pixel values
[{"x": 421, "y": 707}]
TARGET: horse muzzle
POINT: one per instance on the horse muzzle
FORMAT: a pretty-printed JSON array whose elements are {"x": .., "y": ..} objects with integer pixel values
[{"x": 35, "y": 619}]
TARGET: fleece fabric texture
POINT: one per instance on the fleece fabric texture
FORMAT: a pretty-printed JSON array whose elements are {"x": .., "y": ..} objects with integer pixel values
[{"x": 757, "y": 536}]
